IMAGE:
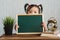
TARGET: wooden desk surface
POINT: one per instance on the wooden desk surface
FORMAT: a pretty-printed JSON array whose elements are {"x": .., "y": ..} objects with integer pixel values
[{"x": 28, "y": 37}]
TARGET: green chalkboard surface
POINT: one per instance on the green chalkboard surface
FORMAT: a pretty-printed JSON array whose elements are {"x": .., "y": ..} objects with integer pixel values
[{"x": 29, "y": 23}]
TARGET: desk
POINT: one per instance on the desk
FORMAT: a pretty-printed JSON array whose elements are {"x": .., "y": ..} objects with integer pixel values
[{"x": 28, "y": 37}]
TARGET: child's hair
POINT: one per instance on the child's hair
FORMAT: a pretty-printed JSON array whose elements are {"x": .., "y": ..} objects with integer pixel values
[{"x": 27, "y": 7}]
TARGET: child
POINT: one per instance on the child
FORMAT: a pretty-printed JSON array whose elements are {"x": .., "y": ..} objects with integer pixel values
[{"x": 33, "y": 9}]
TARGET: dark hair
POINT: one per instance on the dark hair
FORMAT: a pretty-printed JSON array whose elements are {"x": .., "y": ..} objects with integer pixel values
[{"x": 27, "y": 7}]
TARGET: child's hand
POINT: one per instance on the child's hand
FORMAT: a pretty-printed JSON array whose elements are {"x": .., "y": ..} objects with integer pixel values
[
  {"x": 44, "y": 25},
  {"x": 16, "y": 27}
]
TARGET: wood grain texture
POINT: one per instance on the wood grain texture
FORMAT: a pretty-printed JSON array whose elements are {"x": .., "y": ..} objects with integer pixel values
[{"x": 27, "y": 37}]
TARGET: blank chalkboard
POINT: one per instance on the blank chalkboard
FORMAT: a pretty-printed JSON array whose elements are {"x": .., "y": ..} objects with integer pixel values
[{"x": 29, "y": 23}]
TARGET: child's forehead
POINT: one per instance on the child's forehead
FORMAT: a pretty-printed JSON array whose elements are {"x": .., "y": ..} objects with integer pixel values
[{"x": 34, "y": 8}]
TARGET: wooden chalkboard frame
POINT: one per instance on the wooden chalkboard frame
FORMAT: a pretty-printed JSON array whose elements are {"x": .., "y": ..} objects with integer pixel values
[{"x": 28, "y": 15}]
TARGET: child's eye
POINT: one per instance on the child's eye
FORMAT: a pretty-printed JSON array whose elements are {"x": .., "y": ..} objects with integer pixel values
[
  {"x": 30, "y": 12},
  {"x": 35, "y": 12}
]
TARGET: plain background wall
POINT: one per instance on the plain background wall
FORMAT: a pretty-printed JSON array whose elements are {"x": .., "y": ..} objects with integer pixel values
[{"x": 51, "y": 8}]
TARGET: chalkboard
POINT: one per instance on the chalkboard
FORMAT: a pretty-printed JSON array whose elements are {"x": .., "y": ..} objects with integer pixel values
[{"x": 29, "y": 23}]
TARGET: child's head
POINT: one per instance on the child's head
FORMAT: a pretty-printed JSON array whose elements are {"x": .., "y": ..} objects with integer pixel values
[{"x": 33, "y": 9}]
